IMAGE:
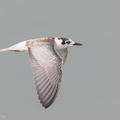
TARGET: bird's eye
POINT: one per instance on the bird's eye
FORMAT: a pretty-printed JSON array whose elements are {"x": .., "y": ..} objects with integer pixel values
[{"x": 68, "y": 42}]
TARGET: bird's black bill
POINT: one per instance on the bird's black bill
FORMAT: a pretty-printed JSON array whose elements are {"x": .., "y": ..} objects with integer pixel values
[{"x": 78, "y": 44}]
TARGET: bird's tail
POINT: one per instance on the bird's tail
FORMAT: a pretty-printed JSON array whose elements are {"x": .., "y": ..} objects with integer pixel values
[
  {"x": 20, "y": 47},
  {"x": 5, "y": 49}
]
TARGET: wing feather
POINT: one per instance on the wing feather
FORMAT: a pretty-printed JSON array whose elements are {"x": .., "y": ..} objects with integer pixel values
[
  {"x": 52, "y": 97},
  {"x": 46, "y": 65}
]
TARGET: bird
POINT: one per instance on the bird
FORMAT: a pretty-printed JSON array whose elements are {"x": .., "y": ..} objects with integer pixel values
[{"x": 47, "y": 56}]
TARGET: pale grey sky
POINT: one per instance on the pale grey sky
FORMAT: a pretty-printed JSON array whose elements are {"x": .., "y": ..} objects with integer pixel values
[{"x": 90, "y": 87}]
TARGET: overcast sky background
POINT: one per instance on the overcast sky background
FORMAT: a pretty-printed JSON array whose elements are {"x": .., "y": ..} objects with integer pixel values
[{"x": 90, "y": 88}]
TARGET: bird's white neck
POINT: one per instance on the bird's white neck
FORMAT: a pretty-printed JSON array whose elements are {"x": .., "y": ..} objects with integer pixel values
[{"x": 62, "y": 53}]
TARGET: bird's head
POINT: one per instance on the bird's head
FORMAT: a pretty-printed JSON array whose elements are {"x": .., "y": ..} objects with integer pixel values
[{"x": 63, "y": 43}]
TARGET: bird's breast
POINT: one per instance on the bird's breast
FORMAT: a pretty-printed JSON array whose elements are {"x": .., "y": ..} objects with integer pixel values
[{"x": 63, "y": 54}]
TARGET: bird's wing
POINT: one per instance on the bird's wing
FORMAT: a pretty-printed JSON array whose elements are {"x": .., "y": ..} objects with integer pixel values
[{"x": 46, "y": 65}]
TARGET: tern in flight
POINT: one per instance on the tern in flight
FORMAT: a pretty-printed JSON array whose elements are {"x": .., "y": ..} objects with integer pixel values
[{"x": 47, "y": 55}]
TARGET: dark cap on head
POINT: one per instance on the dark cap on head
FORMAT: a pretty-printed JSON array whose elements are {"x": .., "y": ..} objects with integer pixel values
[{"x": 63, "y": 40}]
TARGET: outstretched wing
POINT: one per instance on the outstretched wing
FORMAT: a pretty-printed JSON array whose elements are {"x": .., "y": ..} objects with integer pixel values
[{"x": 46, "y": 65}]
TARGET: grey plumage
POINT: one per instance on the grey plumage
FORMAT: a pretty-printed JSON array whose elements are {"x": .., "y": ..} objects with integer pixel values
[{"x": 46, "y": 65}]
